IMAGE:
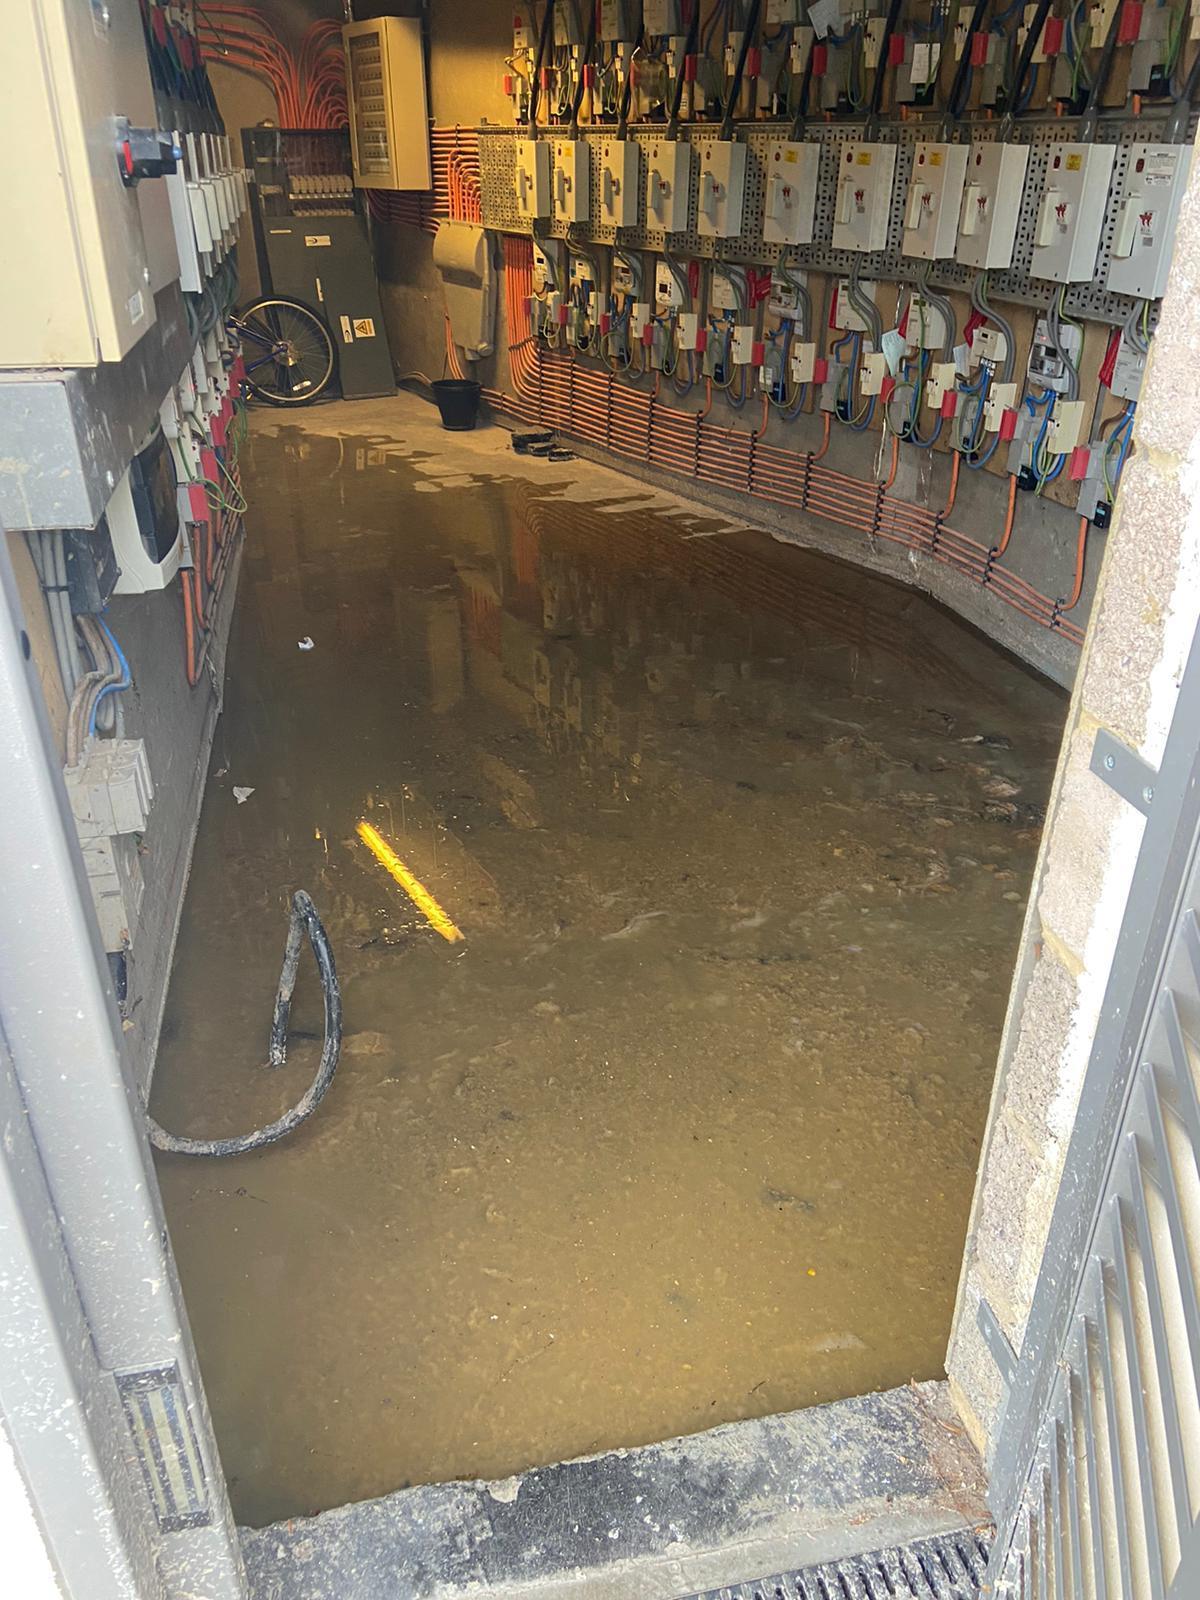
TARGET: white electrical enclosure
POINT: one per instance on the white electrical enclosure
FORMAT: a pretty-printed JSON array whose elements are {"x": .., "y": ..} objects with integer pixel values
[
  {"x": 864, "y": 197},
  {"x": 722, "y": 200},
  {"x": 572, "y": 180},
  {"x": 1147, "y": 212},
  {"x": 934, "y": 201},
  {"x": 991, "y": 204},
  {"x": 389, "y": 106},
  {"x": 668, "y": 185},
  {"x": 619, "y": 183},
  {"x": 1071, "y": 215},
  {"x": 531, "y": 180},
  {"x": 790, "y": 172}
]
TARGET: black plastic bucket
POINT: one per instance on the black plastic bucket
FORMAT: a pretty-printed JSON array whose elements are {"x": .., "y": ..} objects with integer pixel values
[{"x": 458, "y": 401}]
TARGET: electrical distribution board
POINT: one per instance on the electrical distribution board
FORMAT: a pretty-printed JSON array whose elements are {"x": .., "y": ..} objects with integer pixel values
[{"x": 389, "y": 107}]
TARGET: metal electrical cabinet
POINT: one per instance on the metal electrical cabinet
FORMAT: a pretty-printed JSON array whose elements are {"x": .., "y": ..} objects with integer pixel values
[
  {"x": 313, "y": 246},
  {"x": 389, "y": 106}
]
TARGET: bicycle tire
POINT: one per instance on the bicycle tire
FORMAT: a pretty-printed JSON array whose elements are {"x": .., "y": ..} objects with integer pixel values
[{"x": 305, "y": 371}]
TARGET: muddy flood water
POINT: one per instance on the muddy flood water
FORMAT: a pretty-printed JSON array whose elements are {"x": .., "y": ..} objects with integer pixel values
[{"x": 684, "y": 1129}]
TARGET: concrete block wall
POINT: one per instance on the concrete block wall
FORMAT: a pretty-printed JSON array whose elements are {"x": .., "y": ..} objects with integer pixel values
[{"x": 1146, "y": 613}]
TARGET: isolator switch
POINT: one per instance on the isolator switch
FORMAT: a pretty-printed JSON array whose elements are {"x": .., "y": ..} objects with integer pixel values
[
  {"x": 1070, "y": 218},
  {"x": 991, "y": 203},
  {"x": 722, "y": 189},
  {"x": 790, "y": 170},
  {"x": 864, "y": 197},
  {"x": 144, "y": 153},
  {"x": 619, "y": 183},
  {"x": 572, "y": 180},
  {"x": 668, "y": 185},
  {"x": 935, "y": 192},
  {"x": 532, "y": 181},
  {"x": 1155, "y": 176}
]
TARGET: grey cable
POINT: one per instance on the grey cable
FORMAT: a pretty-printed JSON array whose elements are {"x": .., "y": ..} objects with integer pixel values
[{"x": 981, "y": 303}]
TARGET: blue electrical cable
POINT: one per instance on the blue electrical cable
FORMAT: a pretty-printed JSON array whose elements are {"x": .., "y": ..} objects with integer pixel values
[{"x": 110, "y": 688}]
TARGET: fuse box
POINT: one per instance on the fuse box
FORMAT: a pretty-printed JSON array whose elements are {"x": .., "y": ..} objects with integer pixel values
[
  {"x": 991, "y": 204},
  {"x": 668, "y": 185},
  {"x": 722, "y": 189},
  {"x": 572, "y": 180},
  {"x": 790, "y": 170},
  {"x": 1046, "y": 364},
  {"x": 532, "y": 179},
  {"x": 864, "y": 197},
  {"x": 619, "y": 183},
  {"x": 1071, "y": 215},
  {"x": 935, "y": 192},
  {"x": 1146, "y": 216}
]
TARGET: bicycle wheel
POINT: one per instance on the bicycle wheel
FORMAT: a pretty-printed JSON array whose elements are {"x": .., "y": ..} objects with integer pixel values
[{"x": 288, "y": 350}]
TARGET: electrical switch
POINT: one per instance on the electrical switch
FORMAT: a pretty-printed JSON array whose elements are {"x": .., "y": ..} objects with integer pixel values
[
  {"x": 1071, "y": 216},
  {"x": 742, "y": 349},
  {"x": 1128, "y": 371},
  {"x": 533, "y": 178},
  {"x": 1066, "y": 424},
  {"x": 619, "y": 183},
  {"x": 1155, "y": 177},
  {"x": 943, "y": 376},
  {"x": 687, "y": 328},
  {"x": 873, "y": 371},
  {"x": 789, "y": 211},
  {"x": 668, "y": 185},
  {"x": 1001, "y": 397},
  {"x": 572, "y": 180},
  {"x": 803, "y": 362},
  {"x": 864, "y": 197},
  {"x": 934, "y": 199},
  {"x": 144, "y": 152},
  {"x": 991, "y": 204},
  {"x": 722, "y": 189}
]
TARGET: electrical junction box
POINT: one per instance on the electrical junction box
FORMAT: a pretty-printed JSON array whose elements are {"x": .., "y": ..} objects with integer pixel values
[
  {"x": 110, "y": 793},
  {"x": 1070, "y": 218},
  {"x": 388, "y": 103},
  {"x": 935, "y": 192},
  {"x": 687, "y": 330},
  {"x": 874, "y": 371},
  {"x": 845, "y": 316},
  {"x": 662, "y": 19},
  {"x": 1066, "y": 424},
  {"x": 722, "y": 189},
  {"x": 532, "y": 180},
  {"x": 572, "y": 180},
  {"x": 1046, "y": 365},
  {"x": 1128, "y": 371},
  {"x": 803, "y": 359},
  {"x": 1146, "y": 216},
  {"x": 616, "y": 21},
  {"x": 991, "y": 204},
  {"x": 668, "y": 185},
  {"x": 462, "y": 254},
  {"x": 790, "y": 171},
  {"x": 742, "y": 347},
  {"x": 619, "y": 183},
  {"x": 943, "y": 375},
  {"x": 639, "y": 316},
  {"x": 864, "y": 197},
  {"x": 1001, "y": 397}
]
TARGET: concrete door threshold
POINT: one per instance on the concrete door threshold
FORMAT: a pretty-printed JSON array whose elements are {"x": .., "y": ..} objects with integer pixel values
[{"x": 696, "y": 1514}]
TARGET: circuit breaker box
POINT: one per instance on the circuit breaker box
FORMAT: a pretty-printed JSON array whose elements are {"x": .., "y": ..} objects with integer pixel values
[
  {"x": 389, "y": 105},
  {"x": 572, "y": 183},
  {"x": 864, "y": 197},
  {"x": 619, "y": 183},
  {"x": 83, "y": 252},
  {"x": 531, "y": 178},
  {"x": 790, "y": 171},
  {"x": 991, "y": 204},
  {"x": 668, "y": 185},
  {"x": 934, "y": 200},
  {"x": 1070, "y": 218},
  {"x": 722, "y": 189},
  {"x": 1147, "y": 211}
]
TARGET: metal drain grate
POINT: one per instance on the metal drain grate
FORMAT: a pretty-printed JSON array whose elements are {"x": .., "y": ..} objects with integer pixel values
[{"x": 948, "y": 1567}]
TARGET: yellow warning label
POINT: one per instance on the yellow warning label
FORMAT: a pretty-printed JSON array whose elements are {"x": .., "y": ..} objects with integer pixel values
[
  {"x": 790, "y": 155},
  {"x": 1074, "y": 163},
  {"x": 935, "y": 158},
  {"x": 864, "y": 158},
  {"x": 364, "y": 327}
]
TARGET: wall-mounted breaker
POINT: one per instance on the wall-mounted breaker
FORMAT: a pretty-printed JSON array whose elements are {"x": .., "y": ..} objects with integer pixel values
[
  {"x": 1155, "y": 177},
  {"x": 572, "y": 180},
  {"x": 668, "y": 185},
  {"x": 991, "y": 203},
  {"x": 1071, "y": 216},
  {"x": 619, "y": 183},
  {"x": 722, "y": 200},
  {"x": 532, "y": 178},
  {"x": 934, "y": 202},
  {"x": 790, "y": 171},
  {"x": 864, "y": 197}
]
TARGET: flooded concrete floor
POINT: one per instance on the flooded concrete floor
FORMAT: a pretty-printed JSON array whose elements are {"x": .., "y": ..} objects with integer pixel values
[{"x": 685, "y": 1128}]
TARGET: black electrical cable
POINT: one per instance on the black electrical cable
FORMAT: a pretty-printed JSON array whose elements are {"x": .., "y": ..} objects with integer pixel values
[
  {"x": 535, "y": 85},
  {"x": 801, "y": 112},
  {"x": 304, "y": 920},
  {"x": 689, "y": 50},
  {"x": 627, "y": 91},
  {"x": 585, "y": 61},
  {"x": 881, "y": 67},
  {"x": 1032, "y": 34},
  {"x": 956, "y": 99},
  {"x": 735, "y": 88},
  {"x": 1091, "y": 111}
]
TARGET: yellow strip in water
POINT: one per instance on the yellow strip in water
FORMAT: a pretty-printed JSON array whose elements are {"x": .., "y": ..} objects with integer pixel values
[{"x": 413, "y": 887}]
